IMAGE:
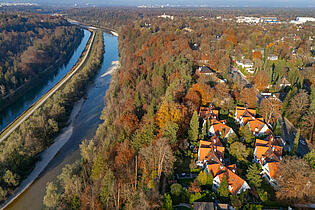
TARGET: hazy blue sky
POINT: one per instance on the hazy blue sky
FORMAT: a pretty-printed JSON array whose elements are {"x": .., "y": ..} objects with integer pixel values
[{"x": 251, "y": 3}]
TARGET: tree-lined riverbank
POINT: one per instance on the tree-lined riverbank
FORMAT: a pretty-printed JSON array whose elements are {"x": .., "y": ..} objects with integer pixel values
[
  {"x": 22, "y": 148},
  {"x": 83, "y": 127}
]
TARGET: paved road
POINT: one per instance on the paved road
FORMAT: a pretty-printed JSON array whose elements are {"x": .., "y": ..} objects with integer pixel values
[
  {"x": 288, "y": 134},
  {"x": 43, "y": 99}
]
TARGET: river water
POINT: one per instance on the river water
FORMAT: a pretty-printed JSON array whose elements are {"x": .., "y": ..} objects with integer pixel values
[
  {"x": 84, "y": 127},
  {"x": 23, "y": 103}
]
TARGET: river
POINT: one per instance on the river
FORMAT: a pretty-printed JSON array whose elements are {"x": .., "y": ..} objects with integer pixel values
[
  {"x": 84, "y": 127},
  {"x": 23, "y": 103}
]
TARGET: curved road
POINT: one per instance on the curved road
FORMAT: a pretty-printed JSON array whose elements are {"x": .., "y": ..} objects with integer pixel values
[{"x": 43, "y": 99}]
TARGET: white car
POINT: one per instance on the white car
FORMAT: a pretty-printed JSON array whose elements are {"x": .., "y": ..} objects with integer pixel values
[{"x": 302, "y": 142}]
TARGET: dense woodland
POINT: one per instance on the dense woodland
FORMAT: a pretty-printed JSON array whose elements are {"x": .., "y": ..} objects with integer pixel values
[
  {"x": 151, "y": 109},
  {"x": 20, "y": 151},
  {"x": 29, "y": 44}
]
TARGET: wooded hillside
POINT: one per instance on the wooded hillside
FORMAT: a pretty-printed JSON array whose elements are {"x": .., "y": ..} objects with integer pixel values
[{"x": 29, "y": 43}]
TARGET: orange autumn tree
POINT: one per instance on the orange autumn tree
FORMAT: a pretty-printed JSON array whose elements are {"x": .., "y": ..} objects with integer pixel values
[
  {"x": 270, "y": 45},
  {"x": 192, "y": 101},
  {"x": 231, "y": 37},
  {"x": 261, "y": 80},
  {"x": 256, "y": 55},
  {"x": 206, "y": 92},
  {"x": 248, "y": 96},
  {"x": 129, "y": 121},
  {"x": 171, "y": 112}
]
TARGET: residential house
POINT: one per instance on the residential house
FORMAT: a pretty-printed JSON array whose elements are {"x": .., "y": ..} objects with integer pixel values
[
  {"x": 218, "y": 170},
  {"x": 209, "y": 151},
  {"x": 205, "y": 70},
  {"x": 208, "y": 112},
  {"x": 261, "y": 50},
  {"x": 284, "y": 82},
  {"x": 269, "y": 172},
  {"x": 246, "y": 64},
  {"x": 302, "y": 20},
  {"x": 243, "y": 115},
  {"x": 242, "y": 19},
  {"x": 246, "y": 116},
  {"x": 268, "y": 153},
  {"x": 219, "y": 128},
  {"x": 258, "y": 127},
  {"x": 188, "y": 29},
  {"x": 211, "y": 206},
  {"x": 262, "y": 146},
  {"x": 204, "y": 205},
  {"x": 166, "y": 16},
  {"x": 272, "y": 57},
  {"x": 269, "y": 19}
]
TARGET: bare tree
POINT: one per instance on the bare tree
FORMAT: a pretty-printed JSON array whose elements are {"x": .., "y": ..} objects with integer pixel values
[
  {"x": 295, "y": 181},
  {"x": 308, "y": 126},
  {"x": 248, "y": 96},
  {"x": 158, "y": 156},
  {"x": 298, "y": 106},
  {"x": 270, "y": 109}
]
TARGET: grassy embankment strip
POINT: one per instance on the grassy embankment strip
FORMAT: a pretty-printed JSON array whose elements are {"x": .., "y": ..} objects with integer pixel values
[{"x": 81, "y": 62}]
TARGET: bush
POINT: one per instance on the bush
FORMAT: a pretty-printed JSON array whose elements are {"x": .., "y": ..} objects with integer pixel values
[
  {"x": 176, "y": 189},
  {"x": 168, "y": 204}
]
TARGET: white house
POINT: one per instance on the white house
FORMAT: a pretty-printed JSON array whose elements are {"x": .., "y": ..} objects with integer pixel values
[
  {"x": 268, "y": 172},
  {"x": 204, "y": 70},
  {"x": 166, "y": 16},
  {"x": 220, "y": 129},
  {"x": 243, "y": 19},
  {"x": 272, "y": 57},
  {"x": 247, "y": 64},
  {"x": 235, "y": 183},
  {"x": 301, "y": 20},
  {"x": 258, "y": 127},
  {"x": 284, "y": 82},
  {"x": 269, "y": 19}
]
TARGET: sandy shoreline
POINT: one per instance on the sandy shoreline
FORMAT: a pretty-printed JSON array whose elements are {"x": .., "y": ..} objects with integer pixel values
[
  {"x": 110, "y": 70},
  {"x": 47, "y": 155}
]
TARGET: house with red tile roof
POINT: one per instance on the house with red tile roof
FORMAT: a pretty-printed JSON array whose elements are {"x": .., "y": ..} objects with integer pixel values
[
  {"x": 209, "y": 151},
  {"x": 243, "y": 115},
  {"x": 208, "y": 112},
  {"x": 269, "y": 172},
  {"x": 258, "y": 127},
  {"x": 219, "y": 128},
  {"x": 246, "y": 116},
  {"x": 218, "y": 170},
  {"x": 268, "y": 153}
]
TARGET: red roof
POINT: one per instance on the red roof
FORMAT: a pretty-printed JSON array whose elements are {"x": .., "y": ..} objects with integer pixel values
[
  {"x": 211, "y": 150},
  {"x": 235, "y": 182},
  {"x": 208, "y": 112},
  {"x": 244, "y": 112}
]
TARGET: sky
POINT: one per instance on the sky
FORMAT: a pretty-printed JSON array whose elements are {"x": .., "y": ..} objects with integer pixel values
[{"x": 210, "y": 3}]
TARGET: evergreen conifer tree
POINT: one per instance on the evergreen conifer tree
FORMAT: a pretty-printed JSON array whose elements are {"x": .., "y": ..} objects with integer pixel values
[
  {"x": 194, "y": 127},
  {"x": 223, "y": 190}
]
